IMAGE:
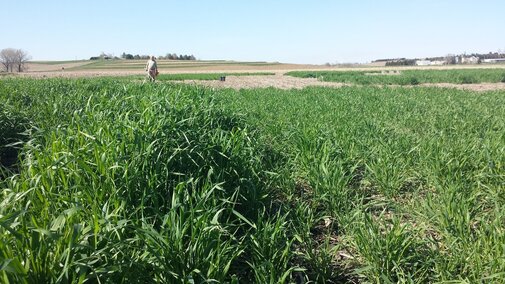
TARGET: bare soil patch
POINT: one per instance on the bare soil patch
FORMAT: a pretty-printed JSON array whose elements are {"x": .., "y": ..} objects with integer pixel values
[
  {"x": 280, "y": 81},
  {"x": 276, "y": 81},
  {"x": 41, "y": 67}
]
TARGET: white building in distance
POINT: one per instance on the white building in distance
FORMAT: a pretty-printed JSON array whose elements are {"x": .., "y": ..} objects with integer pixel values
[
  {"x": 494, "y": 60},
  {"x": 429, "y": 62},
  {"x": 470, "y": 60}
]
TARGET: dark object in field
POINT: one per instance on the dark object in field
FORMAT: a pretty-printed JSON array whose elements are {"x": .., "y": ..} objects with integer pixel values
[{"x": 222, "y": 78}]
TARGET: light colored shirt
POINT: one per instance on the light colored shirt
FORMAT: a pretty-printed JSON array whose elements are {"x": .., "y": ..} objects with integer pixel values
[{"x": 151, "y": 65}]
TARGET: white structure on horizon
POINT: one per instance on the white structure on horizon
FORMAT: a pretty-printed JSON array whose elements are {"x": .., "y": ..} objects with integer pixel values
[
  {"x": 494, "y": 60},
  {"x": 423, "y": 62},
  {"x": 429, "y": 62},
  {"x": 469, "y": 60}
]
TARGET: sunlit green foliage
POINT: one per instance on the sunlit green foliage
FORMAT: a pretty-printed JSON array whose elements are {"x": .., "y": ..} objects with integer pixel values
[
  {"x": 122, "y": 182},
  {"x": 407, "y": 77},
  {"x": 408, "y": 182}
]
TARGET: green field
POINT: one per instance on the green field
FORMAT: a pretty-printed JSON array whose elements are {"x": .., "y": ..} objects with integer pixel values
[
  {"x": 162, "y": 64},
  {"x": 407, "y": 77},
  {"x": 59, "y": 62},
  {"x": 116, "y": 181}
]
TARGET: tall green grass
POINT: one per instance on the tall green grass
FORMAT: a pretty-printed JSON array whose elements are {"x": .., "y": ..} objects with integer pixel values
[
  {"x": 407, "y": 77},
  {"x": 122, "y": 182},
  {"x": 393, "y": 185},
  {"x": 129, "y": 183}
]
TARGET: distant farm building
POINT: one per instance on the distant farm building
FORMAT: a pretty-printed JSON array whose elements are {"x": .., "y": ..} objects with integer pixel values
[
  {"x": 474, "y": 58},
  {"x": 470, "y": 60},
  {"x": 423, "y": 62},
  {"x": 429, "y": 62},
  {"x": 494, "y": 60}
]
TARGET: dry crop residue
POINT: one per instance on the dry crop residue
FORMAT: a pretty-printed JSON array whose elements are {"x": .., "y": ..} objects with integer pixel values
[{"x": 279, "y": 80}]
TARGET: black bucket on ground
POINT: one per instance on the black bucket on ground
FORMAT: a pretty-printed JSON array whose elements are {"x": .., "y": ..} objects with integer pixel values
[{"x": 222, "y": 78}]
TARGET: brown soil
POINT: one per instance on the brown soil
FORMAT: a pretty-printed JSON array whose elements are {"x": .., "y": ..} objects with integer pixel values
[
  {"x": 276, "y": 81},
  {"x": 41, "y": 67},
  {"x": 40, "y": 70}
]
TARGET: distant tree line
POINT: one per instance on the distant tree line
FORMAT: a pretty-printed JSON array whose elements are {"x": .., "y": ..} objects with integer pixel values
[
  {"x": 104, "y": 55},
  {"x": 401, "y": 62},
  {"x": 129, "y": 56},
  {"x": 136, "y": 56},
  {"x": 174, "y": 56},
  {"x": 14, "y": 59},
  {"x": 170, "y": 56},
  {"x": 490, "y": 55},
  {"x": 397, "y": 61}
]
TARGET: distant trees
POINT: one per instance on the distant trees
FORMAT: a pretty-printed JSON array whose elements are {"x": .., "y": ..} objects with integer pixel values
[
  {"x": 7, "y": 57},
  {"x": 401, "y": 62},
  {"x": 490, "y": 55},
  {"x": 174, "y": 56},
  {"x": 14, "y": 59},
  {"x": 397, "y": 61},
  {"x": 21, "y": 57},
  {"x": 169, "y": 56},
  {"x": 129, "y": 56},
  {"x": 107, "y": 56}
]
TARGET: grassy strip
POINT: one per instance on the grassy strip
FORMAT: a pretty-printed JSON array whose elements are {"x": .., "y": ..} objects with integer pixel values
[
  {"x": 407, "y": 77},
  {"x": 129, "y": 64}
]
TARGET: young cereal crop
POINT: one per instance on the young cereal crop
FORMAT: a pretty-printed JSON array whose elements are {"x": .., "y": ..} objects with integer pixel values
[
  {"x": 129, "y": 183},
  {"x": 407, "y": 77},
  {"x": 122, "y": 182},
  {"x": 394, "y": 185}
]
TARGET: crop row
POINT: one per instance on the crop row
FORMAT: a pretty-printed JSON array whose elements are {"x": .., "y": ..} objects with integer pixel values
[
  {"x": 401, "y": 184},
  {"x": 129, "y": 182},
  {"x": 407, "y": 77}
]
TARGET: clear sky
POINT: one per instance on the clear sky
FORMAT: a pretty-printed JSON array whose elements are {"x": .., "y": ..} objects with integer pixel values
[{"x": 290, "y": 31}]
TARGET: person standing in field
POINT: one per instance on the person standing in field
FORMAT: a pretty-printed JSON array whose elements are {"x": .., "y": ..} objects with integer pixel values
[{"x": 152, "y": 69}]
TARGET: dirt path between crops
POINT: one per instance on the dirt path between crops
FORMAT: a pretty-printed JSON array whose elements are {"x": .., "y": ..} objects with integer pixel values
[
  {"x": 287, "y": 82},
  {"x": 279, "y": 80}
]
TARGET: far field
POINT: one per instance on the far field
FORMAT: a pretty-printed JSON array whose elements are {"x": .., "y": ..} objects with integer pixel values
[
  {"x": 280, "y": 75},
  {"x": 166, "y": 66}
]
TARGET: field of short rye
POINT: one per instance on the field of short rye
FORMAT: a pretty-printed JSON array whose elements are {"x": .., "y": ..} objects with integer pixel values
[
  {"x": 397, "y": 185},
  {"x": 407, "y": 77},
  {"x": 111, "y": 181}
]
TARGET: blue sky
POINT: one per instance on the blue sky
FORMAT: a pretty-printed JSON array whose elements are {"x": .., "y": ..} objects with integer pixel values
[{"x": 295, "y": 31}]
